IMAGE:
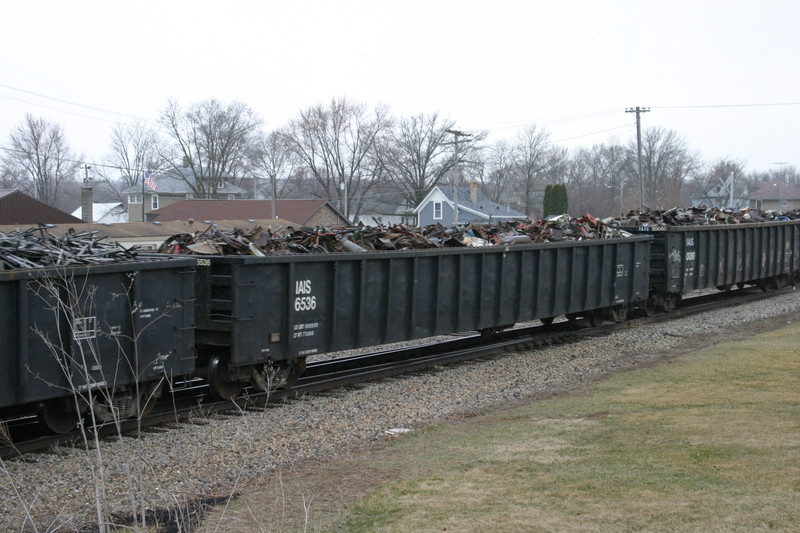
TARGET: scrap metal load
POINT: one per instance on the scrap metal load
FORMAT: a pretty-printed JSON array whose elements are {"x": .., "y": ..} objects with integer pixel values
[
  {"x": 38, "y": 248},
  {"x": 699, "y": 216},
  {"x": 263, "y": 242}
]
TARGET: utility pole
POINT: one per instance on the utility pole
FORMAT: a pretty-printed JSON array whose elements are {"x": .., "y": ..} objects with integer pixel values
[
  {"x": 639, "y": 110},
  {"x": 343, "y": 188},
  {"x": 457, "y": 175}
]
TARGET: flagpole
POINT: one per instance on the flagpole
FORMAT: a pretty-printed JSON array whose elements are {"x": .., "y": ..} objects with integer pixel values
[{"x": 142, "y": 176}]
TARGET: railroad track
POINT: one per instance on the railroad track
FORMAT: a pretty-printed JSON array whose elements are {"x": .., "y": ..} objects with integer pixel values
[{"x": 191, "y": 402}]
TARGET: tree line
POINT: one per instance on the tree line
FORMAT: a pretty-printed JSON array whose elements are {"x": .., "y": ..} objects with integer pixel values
[{"x": 351, "y": 154}]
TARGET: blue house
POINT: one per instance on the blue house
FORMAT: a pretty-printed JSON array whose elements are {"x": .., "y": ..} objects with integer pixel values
[{"x": 473, "y": 206}]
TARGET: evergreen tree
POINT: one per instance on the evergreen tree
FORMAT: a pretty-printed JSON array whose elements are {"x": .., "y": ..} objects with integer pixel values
[
  {"x": 555, "y": 200},
  {"x": 547, "y": 202}
]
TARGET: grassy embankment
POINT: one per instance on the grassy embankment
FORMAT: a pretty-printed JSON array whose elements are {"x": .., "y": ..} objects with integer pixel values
[{"x": 707, "y": 442}]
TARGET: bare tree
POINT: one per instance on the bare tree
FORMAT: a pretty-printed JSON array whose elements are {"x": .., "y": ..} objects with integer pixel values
[
  {"x": 417, "y": 156},
  {"x": 666, "y": 165},
  {"x": 39, "y": 159},
  {"x": 500, "y": 170},
  {"x": 532, "y": 156},
  {"x": 134, "y": 151},
  {"x": 7, "y": 180},
  {"x": 214, "y": 142},
  {"x": 598, "y": 179},
  {"x": 338, "y": 146},
  {"x": 786, "y": 173},
  {"x": 277, "y": 163}
]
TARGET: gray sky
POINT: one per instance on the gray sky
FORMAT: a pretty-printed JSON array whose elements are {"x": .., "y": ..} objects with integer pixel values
[{"x": 711, "y": 70}]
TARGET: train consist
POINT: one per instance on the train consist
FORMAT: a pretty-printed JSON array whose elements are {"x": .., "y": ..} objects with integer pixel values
[{"x": 111, "y": 337}]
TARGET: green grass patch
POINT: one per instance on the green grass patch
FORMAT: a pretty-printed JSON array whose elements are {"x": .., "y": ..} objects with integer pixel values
[{"x": 707, "y": 442}]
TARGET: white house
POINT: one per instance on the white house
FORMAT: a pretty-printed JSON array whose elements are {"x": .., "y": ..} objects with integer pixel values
[{"x": 104, "y": 212}]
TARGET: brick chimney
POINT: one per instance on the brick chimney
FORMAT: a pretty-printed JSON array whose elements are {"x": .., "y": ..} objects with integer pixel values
[
  {"x": 473, "y": 192},
  {"x": 87, "y": 199}
]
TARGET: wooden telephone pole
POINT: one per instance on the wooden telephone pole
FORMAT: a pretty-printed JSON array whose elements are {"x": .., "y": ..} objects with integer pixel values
[{"x": 639, "y": 110}]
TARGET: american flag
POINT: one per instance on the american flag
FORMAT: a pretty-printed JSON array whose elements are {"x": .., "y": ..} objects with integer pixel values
[{"x": 149, "y": 181}]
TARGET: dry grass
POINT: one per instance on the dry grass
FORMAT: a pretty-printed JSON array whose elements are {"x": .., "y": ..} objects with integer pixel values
[{"x": 706, "y": 442}]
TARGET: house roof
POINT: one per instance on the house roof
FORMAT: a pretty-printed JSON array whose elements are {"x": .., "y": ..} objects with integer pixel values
[
  {"x": 392, "y": 203},
  {"x": 169, "y": 183},
  {"x": 113, "y": 212},
  {"x": 299, "y": 211},
  {"x": 775, "y": 190},
  {"x": 482, "y": 206},
  {"x": 16, "y": 207}
]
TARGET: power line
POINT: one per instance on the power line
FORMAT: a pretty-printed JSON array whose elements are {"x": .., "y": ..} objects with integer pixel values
[
  {"x": 59, "y": 110},
  {"x": 711, "y": 106},
  {"x": 68, "y": 102},
  {"x": 540, "y": 120},
  {"x": 592, "y": 133}
]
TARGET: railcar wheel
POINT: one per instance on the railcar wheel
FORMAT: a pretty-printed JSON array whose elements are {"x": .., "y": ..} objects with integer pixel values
[
  {"x": 596, "y": 317},
  {"x": 724, "y": 288},
  {"x": 131, "y": 403},
  {"x": 547, "y": 320},
  {"x": 296, "y": 369},
  {"x": 669, "y": 303},
  {"x": 618, "y": 313},
  {"x": 56, "y": 417},
  {"x": 219, "y": 379},
  {"x": 649, "y": 307},
  {"x": 572, "y": 317}
]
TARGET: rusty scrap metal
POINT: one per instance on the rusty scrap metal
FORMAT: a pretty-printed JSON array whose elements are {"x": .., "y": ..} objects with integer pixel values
[
  {"x": 699, "y": 216},
  {"x": 260, "y": 241},
  {"x": 38, "y": 248}
]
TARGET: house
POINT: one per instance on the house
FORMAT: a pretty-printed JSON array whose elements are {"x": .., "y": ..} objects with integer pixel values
[
  {"x": 102, "y": 212},
  {"x": 300, "y": 212},
  {"x": 16, "y": 207},
  {"x": 473, "y": 206},
  {"x": 144, "y": 202},
  {"x": 775, "y": 196},
  {"x": 719, "y": 196}
]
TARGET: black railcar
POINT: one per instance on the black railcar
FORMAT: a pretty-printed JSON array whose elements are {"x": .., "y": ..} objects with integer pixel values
[
  {"x": 259, "y": 315},
  {"x": 105, "y": 335},
  {"x": 689, "y": 258}
]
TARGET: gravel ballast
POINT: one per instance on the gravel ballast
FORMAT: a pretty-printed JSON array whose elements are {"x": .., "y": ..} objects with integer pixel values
[{"x": 219, "y": 456}]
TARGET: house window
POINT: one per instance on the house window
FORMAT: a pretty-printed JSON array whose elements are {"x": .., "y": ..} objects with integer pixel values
[
  {"x": 437, "y": 210},
  {"x": 231, "y": 197},
  {"x": 154, "y": 204},
  {"x": 784, "y": 202},
  {"x": 221, "y": 185},
  {"x": 134, "y": 198},
  {"x": 189, "y": 196}
]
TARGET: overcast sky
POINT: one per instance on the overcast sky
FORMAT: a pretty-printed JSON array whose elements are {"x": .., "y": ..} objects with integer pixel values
[{"x": 723, "y": 74}]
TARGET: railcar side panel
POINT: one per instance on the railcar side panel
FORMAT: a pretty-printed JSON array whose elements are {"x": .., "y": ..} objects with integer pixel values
[
  {"x": 284, "y": 307},
  {"x": 688, "y": 258},
  {"x": 97, "y": 327}
]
